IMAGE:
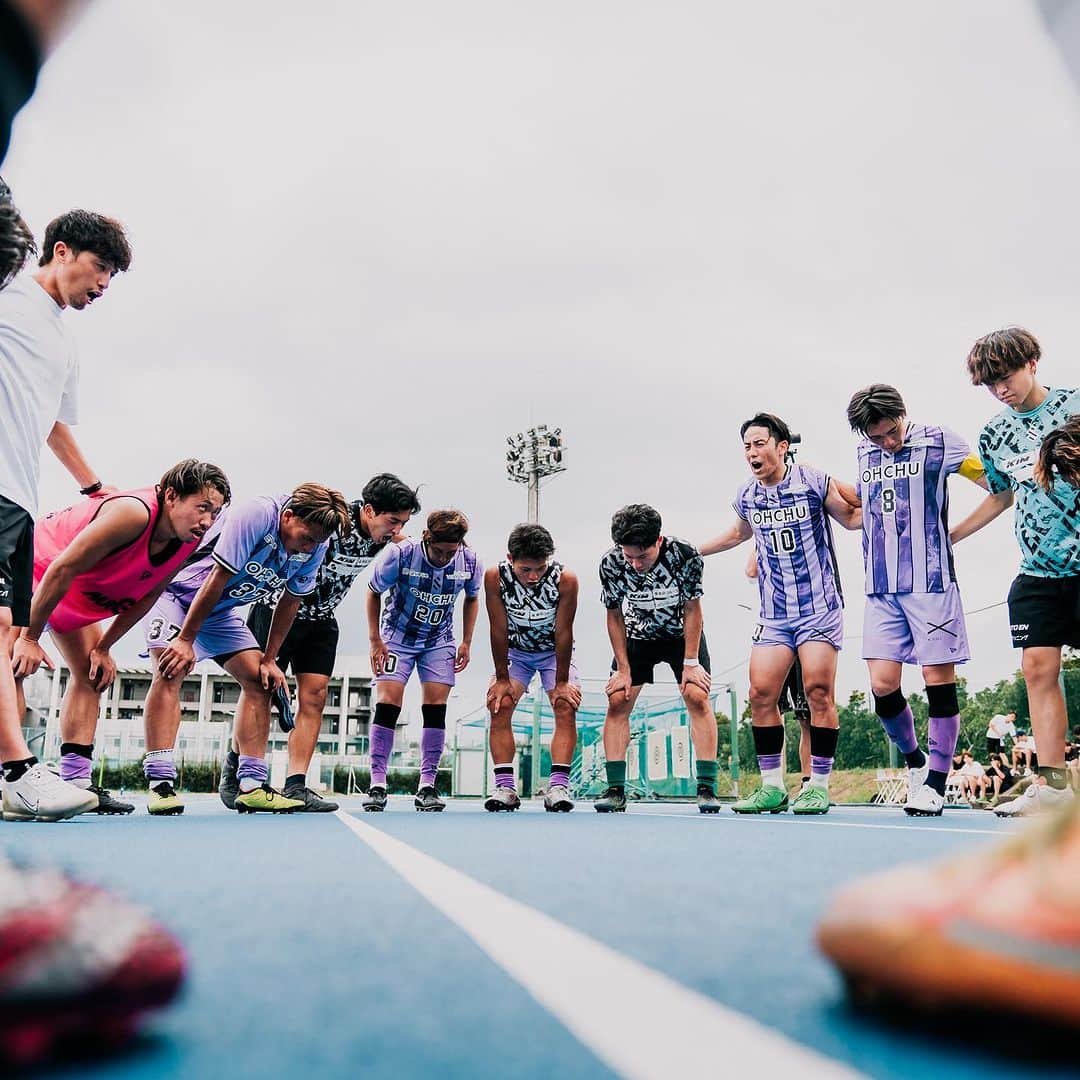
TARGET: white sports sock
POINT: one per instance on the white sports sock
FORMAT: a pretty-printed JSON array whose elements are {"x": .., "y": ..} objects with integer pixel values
[{"x": 772, "y": 778}]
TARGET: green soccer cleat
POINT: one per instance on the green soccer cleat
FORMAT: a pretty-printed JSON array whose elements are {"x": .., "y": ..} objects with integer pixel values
[
  {"x": 164, "y": 802},
  {"x": 766, "y": 800},
  {"x": 266, "y": 800},
  {"x": 811, "y": 800}
]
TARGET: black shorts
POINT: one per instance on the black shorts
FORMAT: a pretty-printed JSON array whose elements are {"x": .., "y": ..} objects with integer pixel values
[
  {"x": 993, "y": 746},
  {"x": 310, "y": 646},
  {"x": 1044, "y": 611},
  {"x": 645, "y": 655},
  {"x": 16, "y": 560}
]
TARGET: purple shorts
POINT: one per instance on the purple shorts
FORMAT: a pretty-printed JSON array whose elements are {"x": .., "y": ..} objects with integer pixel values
[
  {"x": 524, "y": 665},
  {"x": 435, "y": 663},
  {"x": 222, "y": 634},
  {"x": 827, "y": 627},
  {"x": 916, "y": 628}
]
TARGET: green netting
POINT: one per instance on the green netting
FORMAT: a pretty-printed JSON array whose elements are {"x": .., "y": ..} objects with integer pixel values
[{"x": 659, "y": 759}]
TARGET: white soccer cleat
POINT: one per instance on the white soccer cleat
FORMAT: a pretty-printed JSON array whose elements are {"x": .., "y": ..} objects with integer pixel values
[
  {"x": 1037, "y": 799},
  {"x": 916, "y": 779},
  {"x": 926, "y": 802},
  {"x": 40, "y": 795}
]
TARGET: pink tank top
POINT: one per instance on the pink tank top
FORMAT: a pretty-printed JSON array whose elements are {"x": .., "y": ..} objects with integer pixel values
[{"x": 121, "y": 579}]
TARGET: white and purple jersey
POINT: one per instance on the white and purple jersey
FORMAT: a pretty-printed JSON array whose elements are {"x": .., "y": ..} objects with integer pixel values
[
  {"x": 531, "y": 610},
  {"x": 797, "y": 572},
  {"x": 419, "y": 609},
  {"x": 905, "y": 502},
  {"x": 245, "y": 541}
]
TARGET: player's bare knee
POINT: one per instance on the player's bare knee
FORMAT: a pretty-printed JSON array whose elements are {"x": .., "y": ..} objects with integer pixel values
[
  {"x": 696, "y": 697},
  {"x": 819, "y": 697},
  {"x": 763, "y": 697},
  {"x": 312, "y": 700}
]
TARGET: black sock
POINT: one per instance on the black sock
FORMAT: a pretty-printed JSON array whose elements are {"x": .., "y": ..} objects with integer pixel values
[
  {"x": 1054, "y": 777},
  {"x": 14, "y": 770},
  {"x": 915, "y": 760},
  {"x": 434, "y": 716},
  {"x": 295, "y": 780},
  {"x": 937, "y": 780},
  {"x": 85, "y": 750}
]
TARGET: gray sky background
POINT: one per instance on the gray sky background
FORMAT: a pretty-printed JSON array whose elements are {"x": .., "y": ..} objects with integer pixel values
[{"x": 374, "y": 236}]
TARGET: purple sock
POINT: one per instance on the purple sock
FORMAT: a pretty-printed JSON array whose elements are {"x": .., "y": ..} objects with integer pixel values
[
  {"x": 820, "y": 766},
  {"x": 769, "y": 761},
  {"x": 382, "y": 742},
  {"x": 74, "y": 767},
  {"x": 901, "y": 730},
  {"x": 432, "y": 741},
  {"x": 159, "y": 765},
  {"x": 944, "y": 731},
  {"x": 252, "y": 768},
  {"x": 560, "y": 776},
  {"x": 504, "y": 776}
]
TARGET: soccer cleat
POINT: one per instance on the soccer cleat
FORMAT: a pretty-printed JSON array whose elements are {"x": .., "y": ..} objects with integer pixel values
[
  {"x": 557, "y": 800},
  {"x": 502, "y": 798},
  {"x": 228, "y": 783},
  {"x": 265, "y": 800},
  {"x": 313, "y": 802},
  {"x": 613, "y": 801},
  {"x": 766, "y": 800},
  {"x": 1037, "y": 799},
  {"x": 811, "y": 800},
  {"x": 40, "y": 795},
  {"x": 283, "y": 701},
  {"x": 375, "y": 800},
  {"x": 427, "y": 801},
  {"x": 916, "y": 778},
  {"x": 106, "y": 804},
  {"x": 926, "y": 802},
  {"x": 164, "y": 802},
  {"x": 996, "y": 931},
  {"x": 707, "y": 802},
  {"x": 78, "y": 966}
]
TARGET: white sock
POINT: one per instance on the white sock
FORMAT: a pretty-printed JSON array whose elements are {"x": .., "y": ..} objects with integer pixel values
[
  {"x": 772, "y": 778},
  {"x": 249, "y": 784},
  {"x": 820, "y": 780}
]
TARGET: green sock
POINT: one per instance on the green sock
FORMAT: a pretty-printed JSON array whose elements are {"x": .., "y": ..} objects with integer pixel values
[
  {"x": 1054, "y": 777},
  {"x": 706, "y": 774},
  {"x": 616, "y": 773}
]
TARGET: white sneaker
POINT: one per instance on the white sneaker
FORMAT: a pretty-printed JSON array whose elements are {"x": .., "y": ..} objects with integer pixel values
[
  {"x": 926, "y": 802},
  {"x": 1037, "y": 799},
  {"x": 40, "y": 795},
  {"x": 916, "y": 779},
  {"x": 558, "y": 800}
]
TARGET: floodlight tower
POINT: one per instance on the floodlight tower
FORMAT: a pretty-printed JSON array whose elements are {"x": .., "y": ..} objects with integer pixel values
[{"x": 532, "y": 455}]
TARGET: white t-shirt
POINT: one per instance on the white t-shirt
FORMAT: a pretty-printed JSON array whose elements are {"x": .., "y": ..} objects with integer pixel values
[
  {"x": 972, "y": 768},
  {"x": 39, "y": 380},
  {"x": 1000, "y": 726}
]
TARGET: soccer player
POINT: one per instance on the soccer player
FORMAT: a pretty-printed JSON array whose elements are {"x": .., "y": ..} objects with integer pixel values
[
  {"x": 531, "y": 603},
  {"x": 785, "y": 507},
  {"x": 416, "y": 630},
  {"x": 1044, "y": 600},
  {"x": 39, "y": 376},
  {"x": 651, "y": 588},
  {"x": 310, "y": 647},
  {"x": 913, "y": 612},
  {"x": 108, "y": 556},
  {"x": 262, "y": 548}
]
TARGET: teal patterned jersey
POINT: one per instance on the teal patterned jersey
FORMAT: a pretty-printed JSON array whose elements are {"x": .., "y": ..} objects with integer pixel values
[{"x": 1047, "y": 523}]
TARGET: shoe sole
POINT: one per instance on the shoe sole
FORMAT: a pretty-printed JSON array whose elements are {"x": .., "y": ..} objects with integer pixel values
[
  {"x": 808, "y": 813},
  {"x": 495, "y": 808},
  {"x": 610, "y": 809},
  {"x": 776, "y": 810},
  {"x": 172, "y": 812},
  {"x": 922, "y": 813},
  {"x": 373, "y": 809},
  {"x": 111, "y": 813},
  {"x": 429, "y": 809},
  {"x": 18, "y": 815},
  {"x": 708, "y": 809},
  {"x": 558, "y": 809},
  {"x": 242, "y": 809}
]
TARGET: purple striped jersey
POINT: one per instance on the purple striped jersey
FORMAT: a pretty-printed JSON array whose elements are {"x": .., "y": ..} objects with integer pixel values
[
  {"x": 419, "y": 608},
  {"x": 797, "y": 573},
  {"x": 905, "y": 502}
]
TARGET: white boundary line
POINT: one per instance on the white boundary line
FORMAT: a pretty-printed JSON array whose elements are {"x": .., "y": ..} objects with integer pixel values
[
  {"x": 639, "y": 1022},
  {"x": 818, "y": 823}
]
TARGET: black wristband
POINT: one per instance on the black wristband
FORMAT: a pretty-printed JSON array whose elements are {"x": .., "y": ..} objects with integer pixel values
[{"x": 91, "y": 489}]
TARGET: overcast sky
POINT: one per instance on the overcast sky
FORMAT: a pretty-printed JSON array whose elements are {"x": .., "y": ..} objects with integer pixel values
[{"x": 373, "y": 236}]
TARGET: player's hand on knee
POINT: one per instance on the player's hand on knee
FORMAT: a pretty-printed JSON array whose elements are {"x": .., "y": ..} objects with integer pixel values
[
  {"x": 177, "y": 659},
  {"x": 501, "y": 690},
  {"x": 619, "y": 683},
  {"x": 695, "y": 676},
  {"x": 102, "y": 669},
  {"x": 568, "y": 693},
  {"x": 27, "y": 656}
]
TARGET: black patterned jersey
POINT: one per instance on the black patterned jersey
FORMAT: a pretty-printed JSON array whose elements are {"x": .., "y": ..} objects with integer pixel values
[
  {"x": 653, "y": 603},
  {"x": 530, "y": 609},
  {"x": 346, "y": 559}
]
